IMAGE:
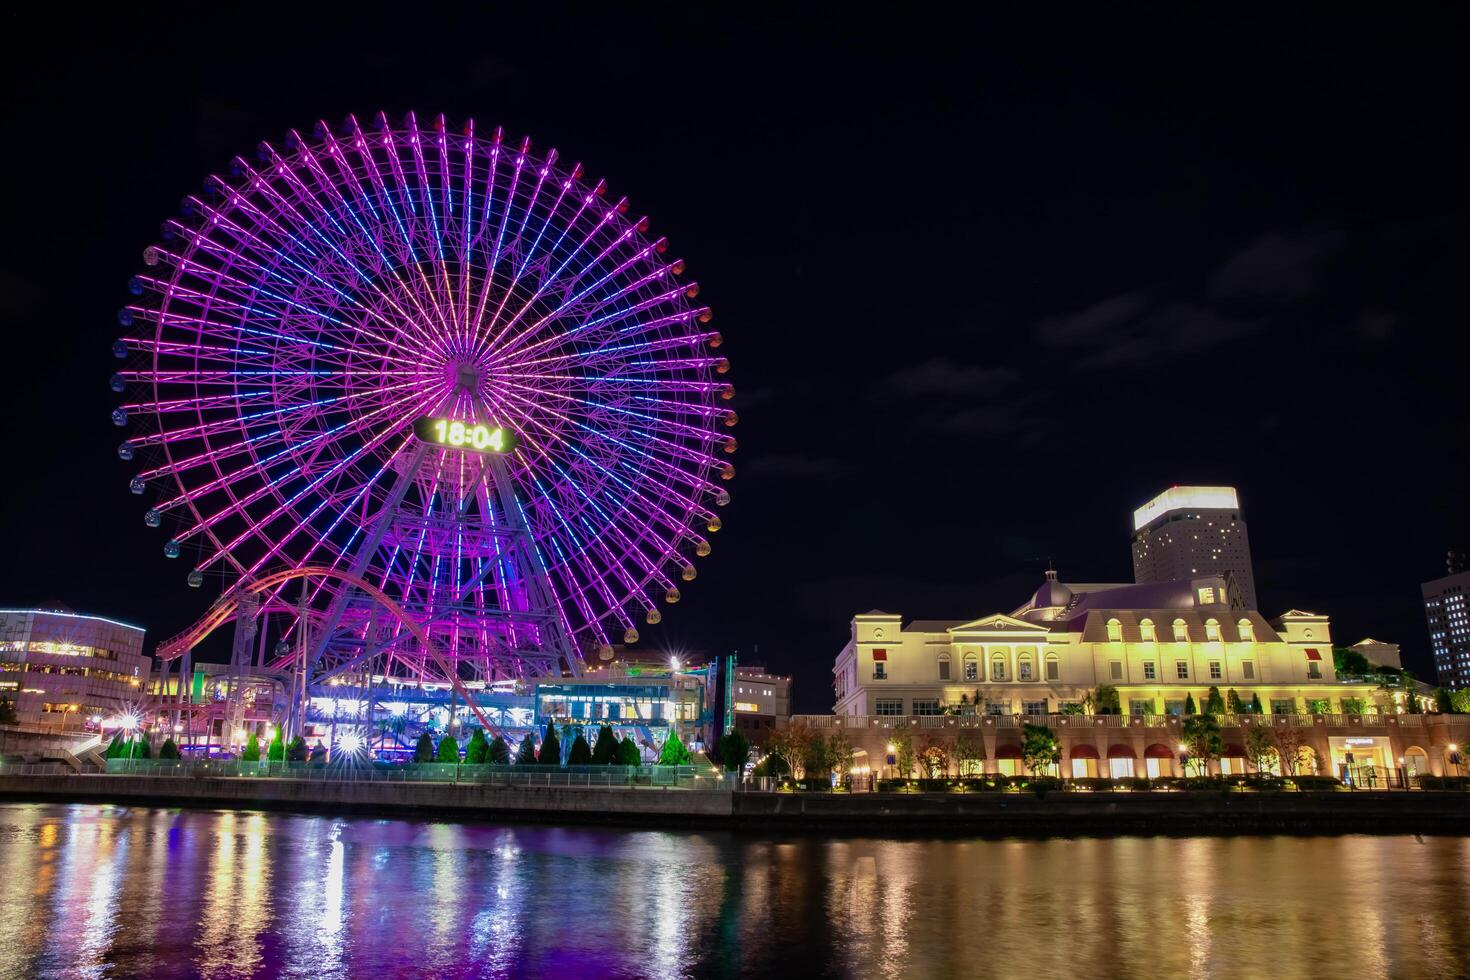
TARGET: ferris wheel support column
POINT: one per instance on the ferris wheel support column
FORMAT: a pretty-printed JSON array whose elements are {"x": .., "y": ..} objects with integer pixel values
[{"x": 240, "y": 655}]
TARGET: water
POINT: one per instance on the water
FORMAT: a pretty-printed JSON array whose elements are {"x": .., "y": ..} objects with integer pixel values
[{"x": 92, "y": 891}]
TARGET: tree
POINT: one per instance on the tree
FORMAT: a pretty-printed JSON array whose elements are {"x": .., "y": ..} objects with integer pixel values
[
  {"x": 814, "y": 762},
  {"x": 1039, "y": 749},
  {"x": 734, "y": 751},
  {"x": 526, "y": 753},
  {"x": 605, "y": 747},
  {"x": 839, "y": 754},
  {"x": 168, "y": 750},
  {"x": 318, "y": 755},
  {"x": 1201, "y": 736},
  {"x": 790, "y": 745},
  {"x": 1106, "y": 700},
  {"x": 296, "y": 751},
  {"x": 448, "y": 750},
  {"x": 1317, "y": 706},
  {"x": 969, "y": 753},
  {"x": 275, "y": 750},
  {"x": 1256, "y": 707},
  {"x": 1289, "y": 741},
  {"x": 628, "y": 753},
  {"x": 673, "y": 752},
  {"x": 1232, "y": 703},
  {"x": 903, "y": 744},
  {"x": 550, "y": 754},
  {"x": 138, "y": 748},
  {"x": 499, "y": 751},
  {"x": 581, "y": 753},
  {"x": 424, "y": 750},
  {"x": 1349, "y": 662},
  {"x": 251, "y": 752},
  {"x": 1444, "y": 702},
  {"x": 1351, "y": 706},
  {"x": 1214, "y": 704},
  {"x": 1260, "y": 747},
  {"x": 934, "y": 760},
  {"x": 477, "y": 752},
  {"x": 116, "y": 748},
  {"x": 1189, "y": 708},
  {"x": 7, "y": 712}
]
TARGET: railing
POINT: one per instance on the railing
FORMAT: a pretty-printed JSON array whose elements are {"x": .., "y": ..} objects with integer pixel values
[{"x": 1003, "y": 722}]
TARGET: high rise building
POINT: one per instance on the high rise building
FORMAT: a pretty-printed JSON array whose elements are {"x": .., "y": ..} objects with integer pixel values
[
  {"x": 1187, "y": 532},
  {"x": 1447, "y": 608}
]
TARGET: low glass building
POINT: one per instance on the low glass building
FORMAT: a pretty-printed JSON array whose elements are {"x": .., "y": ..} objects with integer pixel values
[{"x": 70, "y": 671}]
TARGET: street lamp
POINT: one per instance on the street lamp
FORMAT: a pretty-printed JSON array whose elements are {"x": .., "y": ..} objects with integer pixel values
[
  {"x": 1183, "y": 759},
  {"x": 1455, "y": 757}
]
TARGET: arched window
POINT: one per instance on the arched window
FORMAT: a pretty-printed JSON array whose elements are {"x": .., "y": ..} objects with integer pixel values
[
  {"x": 1181, "y": 632},
  {"x": 944, "y": 666},
  {"x": 998, "y": 667},
  {"x": 1053, "y": 667},
  {"x": 1146, "y": 630},
  {"x": 1212, "y": 630},
  {"x": 1115, "y": 631},
  {"x": 1247, "y": 631},
  {"x": 1023, "y": 668},
  {"x": 972, "y": 667}
]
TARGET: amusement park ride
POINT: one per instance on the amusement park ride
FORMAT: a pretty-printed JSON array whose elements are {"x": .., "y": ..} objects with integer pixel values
[{"x": 438, "y": 416}]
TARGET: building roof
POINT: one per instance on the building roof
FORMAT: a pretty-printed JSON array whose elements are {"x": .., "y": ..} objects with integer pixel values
[
  {"x": 1093, "y": 624},
  {"x": 933, "y": 625}
]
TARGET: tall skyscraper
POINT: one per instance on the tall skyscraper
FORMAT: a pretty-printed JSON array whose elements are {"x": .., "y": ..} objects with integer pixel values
[
  {"x": 1186, "y": 532},
  {"x": 1447, "y": 607}
]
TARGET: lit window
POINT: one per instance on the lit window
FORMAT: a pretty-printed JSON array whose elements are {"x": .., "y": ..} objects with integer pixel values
[
  {"x": 943, "y": 667},
  {"x": 1115, "y": 670},
  {"x": 972, "y": 668},
  {"x": 1053, "y": 667},
  {"x": 1181, "y": 669},
  {"x": 1248, "y": 670},
  {"x": 1146, "y": 630},
  {"x": 1115, "y": 631},
  {"x": 1212, "y": 630},
  {"x": 1215, "y": 673},
  {"x": 1148, "y": 670},
  {"x": 1181, "y": 632},
  {"x": 1247, "y": 631}
]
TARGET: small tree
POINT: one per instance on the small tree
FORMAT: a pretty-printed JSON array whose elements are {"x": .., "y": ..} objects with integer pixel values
[
  {"x": 673, "y": 752},
  {"x": 814, "y": 761},
  {"x": 297, "y": 750},
  {"x": 734, "y": 751},
  {"x": 424, "y": 750},
  {"x": 1232, "y": 703},
  {"x": 251, "y": 752},
  {"x": 1260, "y": 747},
  {"x": 1443, "y": 702},
  {"x": 318, "y": 755},
  {"x": 1349, "y": 662},
  {"x": 1256, "y": 707},
  {"x": 550, "y": 754},
  {"x": 168, "y": 750},
  {"x": 839, "y": 754},
  {"x": 499, "y": 753},
  {"x": 1317, "y": 706},
  {"x": 605, "y": 747},
  {"x": 790, "y": 745},
  {"x": 1289, "y": 741},
  {"x": 628, "y": 753},
  {"x": 969, "y": 753},
  {"x": 1106, "y": 700},
  {"x": 1039, "y": 749},
  {"x": 477, "y": 752},
  {"x": 1351, "y": 706},
  {"x": 903, "y": 744},
  {"x": 448, "y": 750},
  {"x": 1214, "y": 704},
  {"x": 581, "y": 753},
  {"x": 276, "y": 750},
  {"x": 934, "y": 761},
  {"x": 526, "y": 753},
  {"x": 1201, "y": 736},
  {"x": 1189, "y": 708}
]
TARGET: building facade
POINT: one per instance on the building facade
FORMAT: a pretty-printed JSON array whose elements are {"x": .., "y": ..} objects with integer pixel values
[
  {"x": 70, "y": 671},
  {"x": 1447, "y": 610},
  {"x": 1186, "y": 532},
  {"x": 762, "y": 702}
]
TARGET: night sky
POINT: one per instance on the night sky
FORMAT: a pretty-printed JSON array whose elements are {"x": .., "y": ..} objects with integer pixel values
[{"x": 987, "y": 285}]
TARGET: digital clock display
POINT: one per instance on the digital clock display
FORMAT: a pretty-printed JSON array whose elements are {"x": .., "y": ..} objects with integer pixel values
[{"x": 474, "y": 436}]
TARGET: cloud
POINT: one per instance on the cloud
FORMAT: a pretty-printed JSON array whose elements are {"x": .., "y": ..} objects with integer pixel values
[
  {"x": 1094, "y": 324},
  {"x": 942, "y": 376},
  {"x": 952, "y": 398},
  {"x": 1277, "y": 268},
  {"x": 799, "y": 467},
  {"x": 1130, "y": 330}
]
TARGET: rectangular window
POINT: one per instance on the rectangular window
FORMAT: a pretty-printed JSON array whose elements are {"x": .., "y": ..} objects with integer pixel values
[
  {"x": 972, "y": 670},
  {"x": 1069, "y": 707},
  {"x": 1148, "y": 670},
  {"x": 1025, "y": 671},
  {"x": 1314, "y": 669},
  {"x": 926, "y": 706},
  {"x": 944, "y": 670},
  {"x": 879, "y": 673},
  {"x": 1175, "y": 708},
  {"x": 1140, "y": 706},
  {"x": 1215, "y": 670},
  {"x": 1248, "y": 669},
  {"x": 997, "y": 707},
  {"x": 998, "y": 670},
  {"x": 888, "y": 706},
  {"x": 1033, "y": 707},
  {"x": 1285, "y": 706},
  {"x": 1181, "y": 669},
  {"x": 1115, "y": 670},
  {"x": 1053, "y": 670}
]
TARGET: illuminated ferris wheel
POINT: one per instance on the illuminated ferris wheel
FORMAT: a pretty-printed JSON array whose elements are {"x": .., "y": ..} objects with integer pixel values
[{"x": 451, "y": 385}]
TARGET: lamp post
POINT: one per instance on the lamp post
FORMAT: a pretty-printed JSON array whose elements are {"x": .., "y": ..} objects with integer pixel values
[
  {"x": 1455, "y": 757},
  {"x": 1183, "y": 760}
]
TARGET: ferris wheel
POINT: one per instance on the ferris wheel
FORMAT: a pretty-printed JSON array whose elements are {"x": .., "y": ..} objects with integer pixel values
[{"x": 453, "y": 385}]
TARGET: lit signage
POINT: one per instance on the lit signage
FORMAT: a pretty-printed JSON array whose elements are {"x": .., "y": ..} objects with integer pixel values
[
  {"x": 1183, "y": 498},
  {"x": 746, "y": 706},
  {"x": 473, "y": 436},
  {"x": 1360, "y": 741}
]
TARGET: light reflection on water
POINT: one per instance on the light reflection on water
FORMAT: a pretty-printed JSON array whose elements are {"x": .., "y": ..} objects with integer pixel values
[{"x": 93, "y": 891}]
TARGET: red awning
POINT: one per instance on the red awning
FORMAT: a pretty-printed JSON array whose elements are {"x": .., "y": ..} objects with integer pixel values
[
  {"x": 1084, "y": 752},
  {"x": 1008, "y": 752},
  {"x": 1233, "y": 752},
  {"x": 1157, "y": 751},
  {"x": 1121, "y": 752},
  {"x": 1312, "y": 654},
  {"x": 880, "y": 654}
]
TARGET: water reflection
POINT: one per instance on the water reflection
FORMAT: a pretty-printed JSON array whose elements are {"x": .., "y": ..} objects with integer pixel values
[{"x": 116, "y": 891}]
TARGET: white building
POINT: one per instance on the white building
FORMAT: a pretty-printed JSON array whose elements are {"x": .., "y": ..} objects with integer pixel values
[
  {"x": 70, "y": 671},
  {"x": 1186, "y": 532}
]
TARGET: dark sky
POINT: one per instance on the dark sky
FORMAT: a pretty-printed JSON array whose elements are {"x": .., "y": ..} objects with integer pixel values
[{"x": 987, "y": 284}]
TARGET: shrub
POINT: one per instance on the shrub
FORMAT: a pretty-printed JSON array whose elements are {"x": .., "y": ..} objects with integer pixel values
[
  {"x": 581, "y": 753},
  {"x": 1214, "y": 704},
  {"x": 251, "y": 752},
  {"x": 296, "y": 751},
  {"x": 526, "y": 753},
  {"x": 318, "y": 755},
  {"x": 276, "y": 750},
  {"x": 771, "y": 765},
  {"x": 477, "y": 752},
  {"x": 1138, "y": 784},
  {"x": 673, "y": 752},
  {"x": 550, "y": 753},
  {"x": 1189, "y": 708},
  {"x": 1459, "y": 783},
  {"x": 168, "y": 750},
  {"x": 448, "y": 750},
  {"x": 499, "y": 752},
  {"x": 115, "y": 747},
  {"x": 734, "y": 751},
  {"x": 1316, "y": 784},
  {"x": 628, "y": 753},
  {"x": 605, "y": 747},
  {"x": 424, "y": 750}
]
